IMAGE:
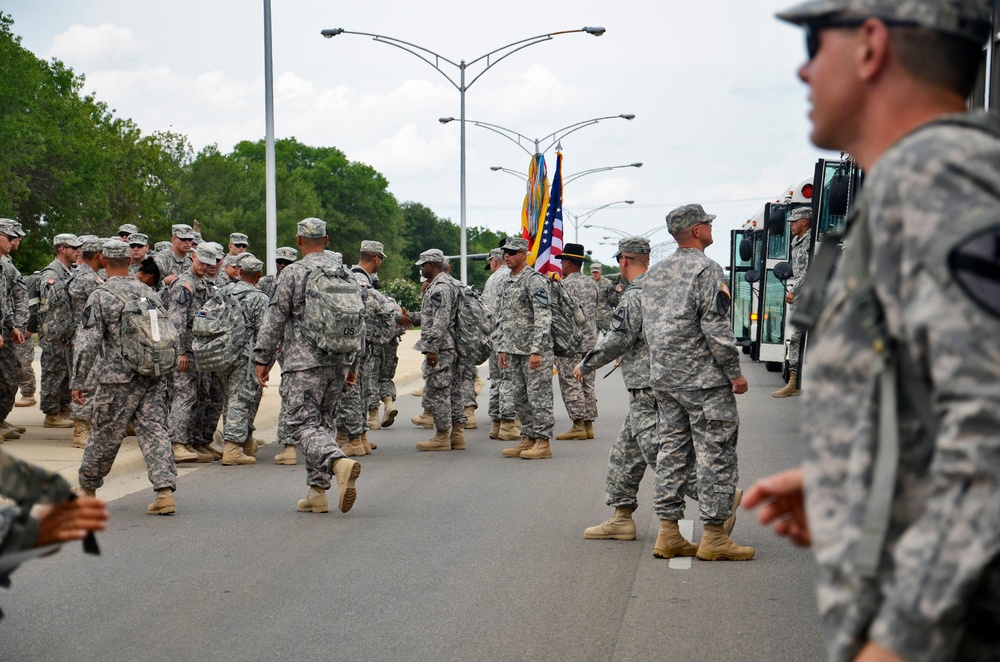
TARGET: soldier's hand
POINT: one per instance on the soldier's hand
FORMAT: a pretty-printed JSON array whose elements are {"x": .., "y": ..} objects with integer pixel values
[
  {"x": 263, "y": 373},
  {"x": 535, "y": 361},
  {"x": 502, "y": 360},
  {"x": 783, "y": 496},
  {"x": 577, "y": 375},
  {"x": 432, "y": 359},
  {"x": 740, "y": 385},
  {"x": 1, "y": 341},
  {"x": 405, "y": 321},
  {"x": 78, "y": 396},
  {"x": 70, "y": 520},
  {"x": 352, "y": 378},
  {"x": 872, "y": 652},
  {"x": 17, "y": 336},
  {"x": 789, "y": 297},
  {"x": 182, "y": 363}
]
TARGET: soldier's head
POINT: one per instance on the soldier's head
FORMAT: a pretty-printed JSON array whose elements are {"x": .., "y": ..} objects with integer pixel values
[
  {"x": 572, "y": 258},
  {"x": 231, "y": 265},
  {"x": 515, "y": 253},
  {"x": 284, "y": 256},
  {"x": 91, "y": 250},
  {"x": 871, "y": 60},
  {"x": 633, "y": 257},
  {"x": 238, "y": 243},
  {"x": 495, "y": 260},
  {"x": 7, "y": 235},
  {"x": 67, "y": 248},
  {"x": 799, "y": 221},
  {"x": 181, "y": 238},
  {"x": 691, "y": 226},
  {"x": 149, "y": 272},
  {"x": 311, "y": 235},
  {"x": 125, "y": 230},
  {"x": 206, "y": 261},
  {"x": 431, "y": 263},
  {"x": 596, "y": 271},
  {"x": 250, "y": 269},
  {"x": 372, "y": 254},
  {"x": 138, "y": 247},
  {"x": 114, "y": 253}
]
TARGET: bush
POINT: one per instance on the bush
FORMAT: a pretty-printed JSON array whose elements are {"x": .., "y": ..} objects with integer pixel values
[{"x": 405, "y": 292}]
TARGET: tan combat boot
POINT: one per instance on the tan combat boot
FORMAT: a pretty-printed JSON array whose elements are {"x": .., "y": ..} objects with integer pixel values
[
  {"x": 56, "y": 420},
  {"x": 346, "y": 472},
  {"x": 717, "y": 546},
  {"x": 494, "y": 429},
  {"x": 353, "y": 447},
  {"x": 730, "y": 522},
  {"x": 670, "y": 543},
  {"x": 470, "y": 418},
  {"x": 590, "y": 429},
  {"x": 621, "y": 526},
  {"x": 26, "y": 401},
  {"x": 509, "y": 431},
  {"x": 441, "y": 441},
  {"x": 419, "y": 391},
  {"x": 9, "y": 433},
  {"x": 250, "y": 446},
  {"x": 578, "y": 431},
  {"x": 365, "y": 446},
  {"x": 373, "y": 423},
  {"x": 182, "y": 454},
  {"x": 341, "y": 436},
  {"x": 202, "y": 457},
  {"x": 390, "y": 411},
  {"x": 457, "y": 438},
  {"x": 206, "y": 449},
  {"x": 81, "y": 432},
  {"x": 540, "y": 451},
  {"x": 315, "y": 502},
  {"x": 424, "y": 420},
  {"x": 164, "y": 503},
  {"x": 790, "y": 389},
  {"x": 516, "y": 451},
  {"x": 286, "y": 456},
  {"x": 86, "y": 492},
  {"x": 234, "y": 455},
  {"x": 10, "y": 426}
]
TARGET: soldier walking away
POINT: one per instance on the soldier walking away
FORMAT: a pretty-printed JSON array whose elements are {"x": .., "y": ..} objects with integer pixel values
[
  {"x": 694, "y": 373},
  {"x": 85, "y": 281},
  {"x": 606, "y": 289},
  {"x": 899, "y": 485},
  {"x": 14, "y": 318},
  {"x": 56, "y": 331},
  {"x": 799, "y": 222},
  {"x": 503, "y": 418},
  {"x": 579, "y": 397}
]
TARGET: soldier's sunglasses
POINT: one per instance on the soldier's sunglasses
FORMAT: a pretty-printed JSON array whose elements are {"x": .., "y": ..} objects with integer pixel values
[{"x": 844, "y": 23}]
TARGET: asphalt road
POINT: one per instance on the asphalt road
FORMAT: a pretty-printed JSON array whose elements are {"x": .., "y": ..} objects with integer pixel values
[{"x": 458, "y": 556}]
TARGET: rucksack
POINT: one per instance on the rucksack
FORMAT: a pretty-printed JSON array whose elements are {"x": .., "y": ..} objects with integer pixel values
[
  {"x": 568, "y": 321},
  {"x": 34, "y": 298},
  {"x": 55, "y": 314},
  {"x": 220, "y": 332},
  {"x": 333, "y": 319},
  {"x": 474, "y": 327},
  {"x": 149, "y": 339}
]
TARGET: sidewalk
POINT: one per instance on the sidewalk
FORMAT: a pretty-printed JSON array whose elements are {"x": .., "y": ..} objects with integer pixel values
[{"x": 52, "y": 448}]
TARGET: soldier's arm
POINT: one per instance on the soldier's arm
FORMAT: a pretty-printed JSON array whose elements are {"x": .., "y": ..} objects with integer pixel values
[
  {"x": 626, "y": 327},
  {"x": 713, "y": 302},
  {"x": 434, "y": 320},
  {"x": 20, "y": 294},
  {"x": 272, "y": 327},
  {"x": 180, "y": 303},
  {"x": 87, "y": 345},
  {"x": 539, "y": 300}
]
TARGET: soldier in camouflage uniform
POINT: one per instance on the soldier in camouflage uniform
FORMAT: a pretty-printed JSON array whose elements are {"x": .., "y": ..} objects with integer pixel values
[
  {"x": 502, "y": 414},
  {"x": 312, "y": 379},
  {"x": 799, "y": 223},
  {"x": 523, "y": 341},
  {"x": 212, "y": 397},
  {"x": 899, "y": 487},
  {"x": 14, "y": 317},
  {"x": 694, "y": 373},
  {"x": 121, "y": 397},
  {"x": 284, "y": 256},
  {"x": 138, "y": 248},
  {"x": 57, "y": 354},
  {"x": 579, "y": 397},
  {"x": 606, "y": 289},
  {"x": 125, "y": 231},
  {"x": 380, "y": 327},
  {"x": 177, "y": 261},
  {"x": 85, "y": 281}
]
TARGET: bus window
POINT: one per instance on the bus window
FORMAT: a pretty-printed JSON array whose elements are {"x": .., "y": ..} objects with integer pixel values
[{"x": 773, "y": 331}]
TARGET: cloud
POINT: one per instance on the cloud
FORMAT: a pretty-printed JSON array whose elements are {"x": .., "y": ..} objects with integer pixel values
[{"x": 89, "y": 48}]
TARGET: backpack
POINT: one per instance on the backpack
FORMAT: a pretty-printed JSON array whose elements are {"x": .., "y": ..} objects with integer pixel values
[
  {"x": 55, "y": 314},
  {"x": 474, "y": 327},
  {"x": 34, "y": 298},
  {"x": 220, "y": 332},
  {"x": 380, "y": 322},
  {"x": 333, "y": 319},
  {"x": 149, "y": 339},
  {"x": 567, "y": 321}
]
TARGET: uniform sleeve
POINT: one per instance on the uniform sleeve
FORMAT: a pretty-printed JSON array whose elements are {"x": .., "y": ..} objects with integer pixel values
[
  {"x": 434, "y": 318},
  {"x": 625, "y": 331},
  {"x": 19, "y": 292},
  {"x": 177, "y": 311},
  {"x": 713, "y": 307},
  {"x": 272, "y": 327},
  {"x": 87, "y": 344},
  {"x": 16, "y": 536},
  {"x": 539, "y": 300}
]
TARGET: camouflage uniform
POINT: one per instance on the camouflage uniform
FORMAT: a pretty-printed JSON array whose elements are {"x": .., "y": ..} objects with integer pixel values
[
  {"x": 186, "y": 297},
  {"x": 438, "y": 319},
  {"x": 23, "y": 482},
  {"x": 580, "y": 399},
  {"x": 312, "y": 380},
  {"x": 85, "y": 281},
  {"x": 56, "y": 356},
  {"x": 800, "y": 265},
  {"x": 170, "y": 264},
  {"x": 240, "y": 388},
  {"x": 606, "y": 292},
  {"x": 523, "y": 327},
  {"x": 499, "y": 411},
  {"x": 121, "y": 396},
  {"x": 13, "y": 314},
  {"x": 26, "y": 355},
  {"x": 693, "y": 357}
]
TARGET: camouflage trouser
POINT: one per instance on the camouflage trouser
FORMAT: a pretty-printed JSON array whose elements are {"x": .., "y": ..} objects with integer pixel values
[
  {"x": 443, "y": 390},
  {"x": 501, "y": 404},
  {"x": 700, "y": 426},
  {"x": 241, "y": 392},
  {"x": 353, "y": 416},
  {"x": 531, "y": 393},
  {"x": 468, "y": 374},
  {"x": 372, "y": 372},
  {"x": 390, "y": 360},
  {"x": 311, "y": 398},
  {"x": 636, "y": 448},
  {"x": 10, "y": 371},
  {"x": 794, "y": 347},
  {"x": 185, "y": 413},
  {"x": 26, "y": 355},
  {"x": 56, "y": 360},
  {"x": 141, "y": 403},
  {"x": 580, "y": 399},
  {"x": 85, "y": 411}
]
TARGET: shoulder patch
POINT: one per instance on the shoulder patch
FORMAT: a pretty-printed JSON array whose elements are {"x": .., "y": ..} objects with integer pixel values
[
  {"x": 51, "y": 281},
  {"x": 437, "y": 298},
  {"x": 975, "y": 266},
  {"x": 88, "y": 317},
  {"x": 184, "y": 293},
  {"x": 722, "y": 302},
  {"x": 542, "y": 297},
  {"x": 24, "y": 285},
  {"x": 618, "y": 317}
]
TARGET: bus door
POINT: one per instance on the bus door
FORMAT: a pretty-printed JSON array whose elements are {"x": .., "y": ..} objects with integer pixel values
[
  {"x": 771, "y": 307},
  {"x": 741, "y": 259}
]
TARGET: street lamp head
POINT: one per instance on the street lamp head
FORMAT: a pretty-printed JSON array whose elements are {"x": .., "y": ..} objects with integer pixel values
[
  {"x": 445, "y": 120},
  {"x": 628, "y": 202},
  {"x": 597, "y": 32},
  {"x": 628, "y": 116},
  {"x": 331, "y": 32},
  {"x": 637, "y": 165},
  {"x": 496, "y": 168}
]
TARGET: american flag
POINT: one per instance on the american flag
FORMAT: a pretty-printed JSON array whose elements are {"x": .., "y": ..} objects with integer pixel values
[{"x": 551, "y": 243}]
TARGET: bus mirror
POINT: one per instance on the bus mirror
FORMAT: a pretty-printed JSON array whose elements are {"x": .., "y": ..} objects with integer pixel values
[
  {"x": 751, "y": 276},
  {"x": 776, "y": 219},
  {"x": 837, "y": 194},
  {"x": 746, "y": 249},
  {"x": 782, "y": 271}
]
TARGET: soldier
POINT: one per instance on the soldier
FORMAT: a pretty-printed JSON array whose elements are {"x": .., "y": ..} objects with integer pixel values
[
  {"x": 239, "y": 243},
  {"x": 579, "y": 397},
  {"x": 606, "y": 289},
  {"x": 14, "y": 318},
  {"x": 284, "y": 256},
  {"x": 502, "y": 414},
  {"x": 127, "y": 230},
  {"x": 380, "y": 327},
  {"x": 177, "y": 260},
  {"x": 26, "y": 350},
  {"x": 57, "y": 349},
  {"x": 138, "y": 248},
  {"x": 799, "y": 222},
  {"x": 694, "y": 373},
  {"x": 899, "y": 487},
  {"x": 85, "y": 281},
  {"x": 211, "y": 398},
  {"x": 312, "y": 379},
  {"x": 523, "y": 341},
  {"x": 121, "y": 397},
  {"x": 438, "y": 319}
]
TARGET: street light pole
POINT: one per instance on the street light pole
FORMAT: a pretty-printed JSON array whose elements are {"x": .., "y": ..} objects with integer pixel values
[
  {"x": 577, "y": 218},
  {"x": 435, "y": 60},
  {"x": 622, "y": 233}
]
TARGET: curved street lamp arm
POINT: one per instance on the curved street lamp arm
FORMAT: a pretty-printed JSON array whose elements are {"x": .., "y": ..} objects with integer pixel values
[
  {"x": 507, "y": 133},
  {"x": 558, "y": 134},
  {"x": 515, "y": 173},
  {"x": 413, "y": 49},
  {"x": 578, "y": 175}
]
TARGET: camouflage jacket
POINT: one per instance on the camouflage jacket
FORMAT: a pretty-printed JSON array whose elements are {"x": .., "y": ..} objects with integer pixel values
[
  {"x": 283, "y": 317},
  {"x": 524, "y": 320},
  {"x": 439, "y": 315},
  {"x": 85, "y": 281},
  {"x": 14, "y": 301},
  {"x": 606, "y": 292},
  {"x": 170, "y": 264},
  {"x": 585, "y": 292},
  {"x": 800, "y": 260},
  {"x": 624, "y": 339},
  {"x": 267, "y": 283},
  {"x": 491, "y": 290},
  {"x": 685, "y": 303},
  {"x": 185, "y": 297},
  {"x": 933, "y": 196},
  {"x": 254, "y": 304}
]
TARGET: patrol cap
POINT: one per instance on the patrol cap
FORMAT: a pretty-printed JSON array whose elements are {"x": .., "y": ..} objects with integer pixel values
[
  {"x": 8, "y": 228},
  {"x": 197, "y": 239},
  {"x": 337, "y": 257},
  {"x": 432, "y": 255},
  {"x": 127, "y": 228},
  {"x": 596, "y": 266},
  {"x": 516, "y": 244},
  {"x": 286, "y": 253},
  {"x": 66, "y": 239},
  {"x": 631, "y": 246},
  {"x": 685, "y": 217},
  {"x": 572, "y": 252},
  {"x": 138, "y": 239},
  {"x": 239, "y": 239},
  {"x": 115, "y": 248},
  {"x": 251, "y": 264},
  {"x": 161, "y": 246},
  {"x": 800, "y": 212},
  {"x": 232, "y": 260},
  {"x": 207, "y": 254},
  {"x": 17, "y": 230},
  {"x": 495, "y": 254},
  {"x": 373, "y": 247},
  {"x": 217, "y": 247},
  {"x": 181, "y": 231},
  {"x": 312, "y": 228},
  {"x": 91, "y": 243},
  {"x": 970, "y": 19}
]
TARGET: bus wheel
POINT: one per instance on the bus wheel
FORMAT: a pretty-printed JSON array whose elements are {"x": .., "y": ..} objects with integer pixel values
[{"x": 774, "y": 366}]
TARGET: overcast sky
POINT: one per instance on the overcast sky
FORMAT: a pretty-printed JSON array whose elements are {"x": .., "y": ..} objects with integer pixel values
[{"x": 721, "y": 118}]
